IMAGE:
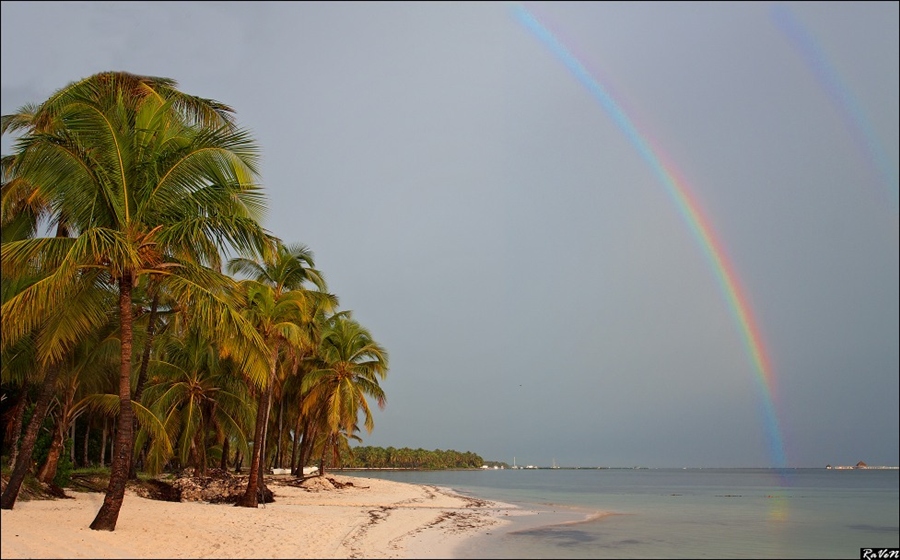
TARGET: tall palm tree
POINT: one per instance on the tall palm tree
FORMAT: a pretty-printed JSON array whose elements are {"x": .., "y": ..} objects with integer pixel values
[
  {"x": 275, "y": 318},
  {"x": 280, "y": 305},
  {"x": 152, "y": 182},
  {"x": 352, "y": 365}
]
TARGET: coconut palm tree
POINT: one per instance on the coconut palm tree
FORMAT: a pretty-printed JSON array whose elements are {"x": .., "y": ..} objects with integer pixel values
[
  {"x": 152, "y": 182},
  {"x": 275, "y": 318},
  {"x": 21, "y": 208},
  {"x": 281, "y": 304},
  {"x": 352, "y": 365},
  {"x": 31, "y": 346},
  {"x": 89, "y": 362},
  {"x": 194, "y": 390}
]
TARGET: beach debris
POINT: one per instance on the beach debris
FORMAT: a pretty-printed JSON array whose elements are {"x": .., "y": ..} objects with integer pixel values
[
  {"x": 317, "y": 484},
  {"x": 153, "y": 489},
  {"x": 219, "y": 486},
  {"x": 34, "y": 489}
]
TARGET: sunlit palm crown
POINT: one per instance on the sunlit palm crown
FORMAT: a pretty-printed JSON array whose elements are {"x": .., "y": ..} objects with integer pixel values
[
  {"x": 145, "y": 179},
  {"x": 353, "y": 364}
]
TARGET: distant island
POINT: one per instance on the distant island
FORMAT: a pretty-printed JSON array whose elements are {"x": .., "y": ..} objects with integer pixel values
[{"x": 858, "y": 466}]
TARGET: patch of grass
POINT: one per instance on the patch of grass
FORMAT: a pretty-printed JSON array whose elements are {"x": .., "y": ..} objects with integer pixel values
[
  {"x": 94, "y": 470},
  {"x": 96, "y": 481}
]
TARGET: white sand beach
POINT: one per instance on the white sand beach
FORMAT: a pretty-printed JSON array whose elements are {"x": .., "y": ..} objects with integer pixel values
[{"x": 371, "y": 519}]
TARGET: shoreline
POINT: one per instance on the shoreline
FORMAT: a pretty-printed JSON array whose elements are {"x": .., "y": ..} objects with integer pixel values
[{"x": 373, "y": 518}]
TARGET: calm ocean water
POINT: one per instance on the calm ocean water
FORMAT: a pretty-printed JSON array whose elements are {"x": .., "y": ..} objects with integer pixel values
[{"x": 675, "y": 513}]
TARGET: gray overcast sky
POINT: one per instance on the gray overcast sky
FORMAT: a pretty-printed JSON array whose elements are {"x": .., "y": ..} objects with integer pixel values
[{"x": 484, "y": 216}]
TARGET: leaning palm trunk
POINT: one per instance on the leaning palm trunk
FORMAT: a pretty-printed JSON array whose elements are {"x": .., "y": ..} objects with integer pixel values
[
  {"x": 23, "y": 461},
  {"x": 48, "y": 471},
  {"x": 121, "y": 461},
  {"x": 18, "y": 415},
  {"x": 63, "y": 424}
]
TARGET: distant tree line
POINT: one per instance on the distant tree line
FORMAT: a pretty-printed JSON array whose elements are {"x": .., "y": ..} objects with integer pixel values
[{"x": 368, "y": 457}]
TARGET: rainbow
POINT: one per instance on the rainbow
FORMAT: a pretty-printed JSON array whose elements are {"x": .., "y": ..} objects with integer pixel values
[
  {"x": 699, "y": 226},
  {"x": 854, "y": 117}
]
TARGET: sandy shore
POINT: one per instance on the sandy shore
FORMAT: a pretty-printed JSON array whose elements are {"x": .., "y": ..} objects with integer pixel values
[{"x": 373, "y": 518}]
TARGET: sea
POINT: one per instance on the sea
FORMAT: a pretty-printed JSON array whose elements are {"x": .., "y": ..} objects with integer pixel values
[{"x": 678, "y": 513}]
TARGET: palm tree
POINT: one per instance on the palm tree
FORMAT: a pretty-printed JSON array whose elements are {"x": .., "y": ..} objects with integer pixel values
[
  {"x": 283, "y": 310},
  {"x": 31, "y": 345},
  {"x": 87, "y": 364},
  {"x": 152, "y": 182},
  {"x": 275, "y": 320},
  {"x": 352, "y": 364},
  {"x": 21, "y": 208},
  {"x": 194, "y": 390}
]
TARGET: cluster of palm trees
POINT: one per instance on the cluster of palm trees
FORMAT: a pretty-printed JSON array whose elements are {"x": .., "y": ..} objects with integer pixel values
[{"x": 138, "y": 284}]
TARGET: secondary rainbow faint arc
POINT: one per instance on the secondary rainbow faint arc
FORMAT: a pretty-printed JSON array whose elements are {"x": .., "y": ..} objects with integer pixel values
[
  {"x": 695, "y": 220},
  {"x": 858, "y": 124}
]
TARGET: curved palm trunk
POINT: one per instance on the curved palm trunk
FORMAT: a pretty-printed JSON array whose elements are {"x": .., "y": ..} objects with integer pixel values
[
  {"x": 48, "y": 471},
  {"x": 121, "y": 460},
  {"x": 63, "y": 424},
  {"x": 23, "y": 461},
  {"x": 16, "y": 433}
]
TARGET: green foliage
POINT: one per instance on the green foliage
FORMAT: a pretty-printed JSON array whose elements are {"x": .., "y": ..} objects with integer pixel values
[
  {"x": 368, "y": 457},
  {"x": 91, "y": 471},
  {"x": 65, "y": 467}
]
